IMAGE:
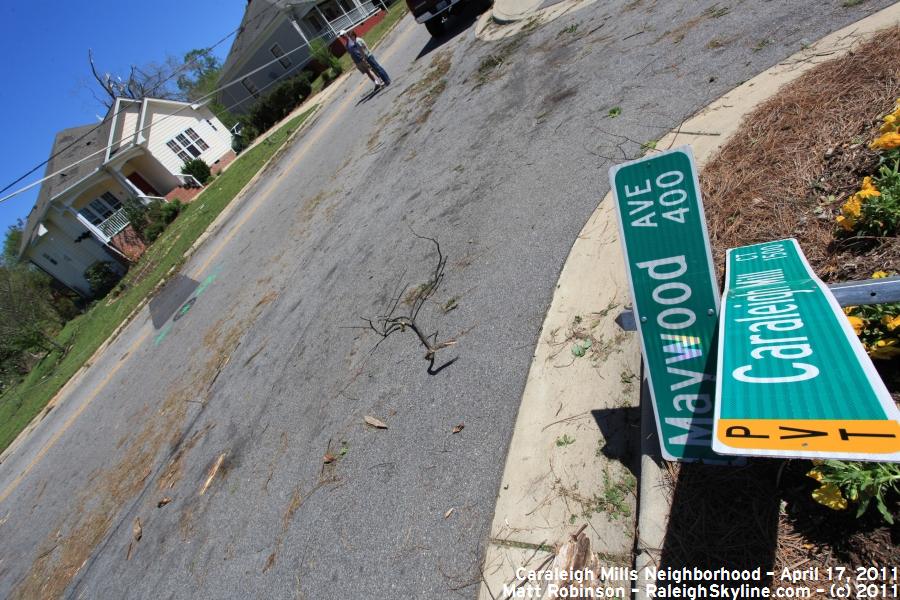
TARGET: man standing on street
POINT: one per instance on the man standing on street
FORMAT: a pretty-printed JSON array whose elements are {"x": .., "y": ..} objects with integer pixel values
[
  {"x": 359, "y": 59},
  {"x": 370, "y": 58}
]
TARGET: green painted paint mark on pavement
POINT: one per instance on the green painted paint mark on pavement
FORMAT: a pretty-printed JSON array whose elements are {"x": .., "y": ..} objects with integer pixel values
[{"x": 187, "y": 306}]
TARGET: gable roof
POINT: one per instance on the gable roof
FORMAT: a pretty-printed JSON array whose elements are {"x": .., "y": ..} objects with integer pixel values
[
  {"x": 65, "y": 151},
  {"x": 258, "y": 18}
]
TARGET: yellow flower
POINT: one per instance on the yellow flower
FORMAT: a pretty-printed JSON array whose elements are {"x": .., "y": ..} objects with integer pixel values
[
  {"x": 868, "y": 189},
  {"x": 891, "y": 322},
  {"x": 885, "y": 349},
  {"x": 815, "y": 474},
  {"x": 857, "y": 324},
  {"x": 830, "y": 495},
  {"x": 845, "y": 223},
  {"x": 890, "y": 124},
  {"x": 879, "y": 275},
  {"x": 852, "y": 207},
  {"x": 850, "y": 212},
  {"x": 887, "y": 141},
  {"x": 848, "y": 310}
]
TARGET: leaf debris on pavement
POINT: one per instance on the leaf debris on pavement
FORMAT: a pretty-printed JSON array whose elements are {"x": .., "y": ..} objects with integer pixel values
[
  {"x": 376, "y": 423},
  {"x": 459, "y": 428},
  {"x": 212, "y": 473}
]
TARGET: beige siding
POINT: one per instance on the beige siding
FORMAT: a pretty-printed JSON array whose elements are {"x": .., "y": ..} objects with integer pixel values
[
  {"x": 126, "y": 125},
  {"x": 168, "y": 120},
  {"x": 107, "y": 185}
]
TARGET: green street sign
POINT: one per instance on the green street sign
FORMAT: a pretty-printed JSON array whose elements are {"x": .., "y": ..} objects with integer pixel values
[
  {"x": 794, "y": 380},
  {"x": 673, "y": 289}
]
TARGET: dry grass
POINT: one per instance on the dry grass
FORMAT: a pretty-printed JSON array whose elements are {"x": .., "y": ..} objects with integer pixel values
[
  {"x": 71, "y": 543},
  {"x": 799, "y": 155},
  {"x": 414, "y": 104}
]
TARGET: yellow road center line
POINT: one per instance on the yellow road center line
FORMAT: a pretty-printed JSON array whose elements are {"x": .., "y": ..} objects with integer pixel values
[{"x": 68, "y": 423}]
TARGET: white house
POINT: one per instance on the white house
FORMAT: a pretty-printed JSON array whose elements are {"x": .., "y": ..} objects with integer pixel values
[
  {"x": 137, "y": 151},
  {"x": 272, "y": 43}
]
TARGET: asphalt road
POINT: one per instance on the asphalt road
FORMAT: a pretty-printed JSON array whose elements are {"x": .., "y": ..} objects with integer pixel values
[{"x": 497, "y": 150}]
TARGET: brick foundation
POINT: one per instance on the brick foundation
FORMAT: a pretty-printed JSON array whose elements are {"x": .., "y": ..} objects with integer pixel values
[
  {"x": 187, "y": 195},
  {"x": 227, "y": 158},
  {"x": 129, "y": 243},
  {"x": 183, "y": 194}
]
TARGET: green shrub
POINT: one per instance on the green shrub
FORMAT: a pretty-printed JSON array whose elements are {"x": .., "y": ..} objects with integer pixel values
[
  {"x": 151, "y": 219},
  {"x": 101, "y": 277},
  {"x": 136, "y": 212},
  {"x": 321, "y": 53},
  {"x": 170, "y": 210},
  {"x": 198, "y": 168},
  {"x": 277, "y": 104},
  {"x": 153, "y": 231}
]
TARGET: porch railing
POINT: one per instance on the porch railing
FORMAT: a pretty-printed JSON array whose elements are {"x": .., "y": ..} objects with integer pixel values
[
  {"x": 189, "y": 181},
  {"x": 145, "y": 200},
  {"x": 355, "y": 16},
  {"x": 115, "y": 223}
]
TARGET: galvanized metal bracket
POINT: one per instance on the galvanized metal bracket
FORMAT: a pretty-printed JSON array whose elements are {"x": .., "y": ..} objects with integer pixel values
[{"x": 847, "y": 293}]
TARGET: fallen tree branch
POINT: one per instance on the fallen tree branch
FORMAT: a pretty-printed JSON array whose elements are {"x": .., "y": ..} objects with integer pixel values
[{"x": 392, "y": 321}]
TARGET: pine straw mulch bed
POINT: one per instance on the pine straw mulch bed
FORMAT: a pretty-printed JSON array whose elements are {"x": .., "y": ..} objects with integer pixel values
[{"x": 784, "y": 174}]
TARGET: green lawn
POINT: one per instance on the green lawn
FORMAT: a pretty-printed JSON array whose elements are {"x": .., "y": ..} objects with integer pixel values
[
  {"x": 373, "y": 37},
  {"x": 84, "y": 334}
]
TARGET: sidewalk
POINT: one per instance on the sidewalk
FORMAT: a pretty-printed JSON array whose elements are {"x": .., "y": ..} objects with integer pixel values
[{"x": 562, "y": 469}]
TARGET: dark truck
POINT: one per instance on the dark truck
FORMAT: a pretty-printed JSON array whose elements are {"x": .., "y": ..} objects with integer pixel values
[{"x": 434, "y": 13}]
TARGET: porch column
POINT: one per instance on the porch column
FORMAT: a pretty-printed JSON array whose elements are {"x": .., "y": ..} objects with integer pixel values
[
  {"x": 131, "y": 189},
  {"x": 349, "y": 20},
  {"x": 300, "y": 31},
  {"x": 90, "y": 226}
]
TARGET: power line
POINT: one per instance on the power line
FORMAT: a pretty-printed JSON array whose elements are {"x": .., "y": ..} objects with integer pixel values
[
  {"x": 112, "y": 116},
  {"x": 168, "y": 116}
]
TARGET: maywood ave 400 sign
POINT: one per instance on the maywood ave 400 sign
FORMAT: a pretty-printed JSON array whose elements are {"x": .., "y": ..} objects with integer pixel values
[{"x": 675, "y": 297}]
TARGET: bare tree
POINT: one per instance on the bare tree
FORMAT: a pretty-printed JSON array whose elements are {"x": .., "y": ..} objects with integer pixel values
[
  {"x": 394, "y": 319},
  {"x": 150, "y": 81}
]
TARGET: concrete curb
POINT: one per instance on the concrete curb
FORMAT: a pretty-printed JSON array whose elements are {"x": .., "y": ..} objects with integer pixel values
[
  {"x": 711, "y": 128},
  {"x": 705, "y": 132},
  {"x": 496, "y": 25}
]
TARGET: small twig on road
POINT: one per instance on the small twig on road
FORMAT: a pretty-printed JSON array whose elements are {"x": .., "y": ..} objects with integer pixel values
[{"x": 391, "y": 322}]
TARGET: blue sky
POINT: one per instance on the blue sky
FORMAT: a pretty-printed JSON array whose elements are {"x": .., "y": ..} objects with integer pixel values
[{"x": 46, "y": 73}]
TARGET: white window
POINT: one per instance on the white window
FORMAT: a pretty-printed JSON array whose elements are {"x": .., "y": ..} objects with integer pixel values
[
  {"x": 100, "y": 209},
  {"x": 251, "y": 87},
  {"x": 187, "y": 145},
  {"x": 278, "y": 53}
]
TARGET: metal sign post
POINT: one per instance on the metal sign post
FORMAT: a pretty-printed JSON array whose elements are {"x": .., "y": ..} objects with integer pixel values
[
  {"x": 676, "y": 300},
  {"x": 794, "y": 380}
]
